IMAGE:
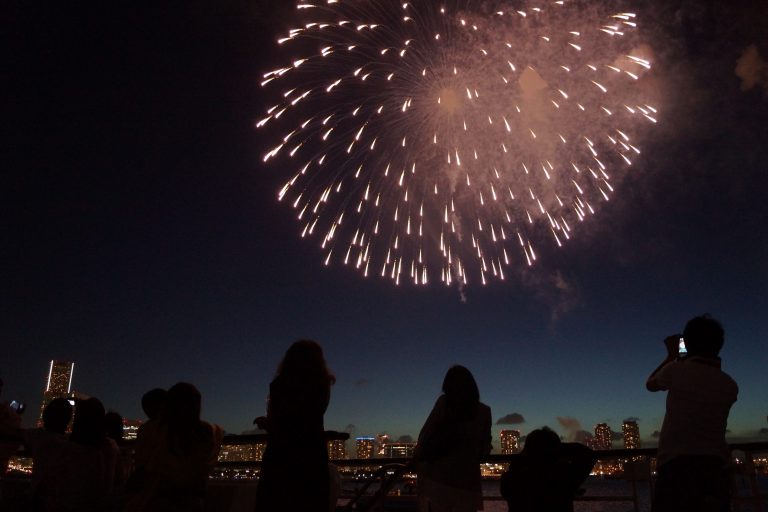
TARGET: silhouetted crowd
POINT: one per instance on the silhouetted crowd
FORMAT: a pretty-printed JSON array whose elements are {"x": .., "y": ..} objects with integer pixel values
[{"x": 80, "y": 463}]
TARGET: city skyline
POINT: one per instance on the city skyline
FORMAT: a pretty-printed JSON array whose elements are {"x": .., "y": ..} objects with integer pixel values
[
  {"x": 144, "y": 239},
  {"x": 508, "y": 441}
]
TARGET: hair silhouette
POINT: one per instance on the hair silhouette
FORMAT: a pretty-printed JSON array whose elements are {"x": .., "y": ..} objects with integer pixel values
[
  {"x": 704, "y": 336},
  {"x": 304, "y": 361},
  {"x": 461, "y": 392},
  {"x": 57, "y": 415},
  {"x": 153, "y": 403},
  {"x": 185, "y": 430},
  {"x": 88, "y": 427}
]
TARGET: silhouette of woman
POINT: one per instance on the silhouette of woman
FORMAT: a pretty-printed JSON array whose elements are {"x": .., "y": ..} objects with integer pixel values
[
  {"x": 452, "y": 442},
  {"x": 294, "y": 471}
]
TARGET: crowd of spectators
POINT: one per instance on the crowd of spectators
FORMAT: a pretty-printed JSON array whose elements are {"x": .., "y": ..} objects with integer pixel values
[{"x": 80, "y": 463}]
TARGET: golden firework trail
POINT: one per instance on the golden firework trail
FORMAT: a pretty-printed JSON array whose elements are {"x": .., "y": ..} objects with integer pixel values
[{"x": 443, "y": 141}]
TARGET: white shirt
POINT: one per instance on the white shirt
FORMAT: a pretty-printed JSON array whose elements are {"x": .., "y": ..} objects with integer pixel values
[{"x": 699, "y": 399}]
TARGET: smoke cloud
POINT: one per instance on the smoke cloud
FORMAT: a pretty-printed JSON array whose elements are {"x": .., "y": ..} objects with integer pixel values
[
  {"x": 573, "y": 429},
  {"x": 513, "y": 418},
  {"x": 582, "y": 436}
]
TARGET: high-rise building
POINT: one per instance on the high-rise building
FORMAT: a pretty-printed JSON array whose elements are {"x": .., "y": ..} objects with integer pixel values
[
  {"x": 631, "y": 434},
  {"x": 603, "y": 437},
  {"x": 399, "y": 450},
  {"x": 59, "y": 384},
  {"x": 365, "y": 447},
  {"x": 510, "y": 441},
  {"x": 337, "y": 449}
]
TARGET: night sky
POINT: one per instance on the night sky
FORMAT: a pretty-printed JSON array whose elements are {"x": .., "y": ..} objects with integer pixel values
[{"x": 142, "y": 237}]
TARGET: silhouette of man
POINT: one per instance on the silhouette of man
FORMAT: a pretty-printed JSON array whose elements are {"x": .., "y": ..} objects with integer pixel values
[{"x": 693, "y": 455}]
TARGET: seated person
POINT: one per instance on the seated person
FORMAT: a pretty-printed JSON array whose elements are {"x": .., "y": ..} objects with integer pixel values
[{"x": 546, "y": 476}]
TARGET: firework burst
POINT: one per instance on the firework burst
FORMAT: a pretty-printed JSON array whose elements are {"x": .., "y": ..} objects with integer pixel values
[{"x": 442, "y": 141}]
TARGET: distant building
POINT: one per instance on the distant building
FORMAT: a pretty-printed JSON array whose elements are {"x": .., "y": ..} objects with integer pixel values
[
  {"x": 399, "y": 450},
  {"x": 510, "y": 441},
  {"x": 130, "y": 429},
  {"x": 337, "y": 449},
  {"x": 365, "y": 447},
  {"x": 631, "y": 434},
  {"x": 381, "y": 442},
  {"x": 241, "y": 452},
  {"x": 603, "y": 437},
  {"x": 59, "y": 384}
]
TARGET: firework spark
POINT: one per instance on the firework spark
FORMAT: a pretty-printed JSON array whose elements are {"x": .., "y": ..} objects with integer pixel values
[{"x": 431, "y": 141}]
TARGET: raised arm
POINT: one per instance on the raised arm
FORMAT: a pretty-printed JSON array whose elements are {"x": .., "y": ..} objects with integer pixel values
[{"x": 672, "y": 345}]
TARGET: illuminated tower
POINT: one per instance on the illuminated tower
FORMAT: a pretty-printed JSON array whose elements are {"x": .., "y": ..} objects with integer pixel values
[
  {"x": 365, "y": 447},
  {"x": 337, "y": 449},
  {"x": 631, "y": 434},
  {"x": 603, "y": 436},
  {"x": 510, "y": 441},
  {"x": 59, "y": 384}
]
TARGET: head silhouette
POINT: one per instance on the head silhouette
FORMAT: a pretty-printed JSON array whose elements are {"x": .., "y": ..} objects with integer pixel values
[
  {"x": 57, "y": 415},
  {"x": 183, "y": 407},
  {"x": 153, "y": 403},
  {"x": 88, "y": 426},
  {"x": 704, "y": 336},
  {"x": 186, "y": 433},
  {"x": 304, "y": 360},
  {"x": 542, "y": 444},
  {"x": 113, "y": 424},
  {"x": 461, "y": 391}
]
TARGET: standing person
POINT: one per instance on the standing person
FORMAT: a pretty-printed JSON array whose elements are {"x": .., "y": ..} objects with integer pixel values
[
  {"x": 693, "y": 456},
  {"x": 48, "y": 446},
  {"x": 294, "y": 471},
  {"x": 187, "y": 450},
  {"x": 148, "y": 438},
  {"x": 452, "y": 442},
  {"x": 87, "y": 471}
]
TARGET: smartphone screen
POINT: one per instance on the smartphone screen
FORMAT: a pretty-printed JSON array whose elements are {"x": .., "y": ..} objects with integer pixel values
[{"x": 682, "y": 350}]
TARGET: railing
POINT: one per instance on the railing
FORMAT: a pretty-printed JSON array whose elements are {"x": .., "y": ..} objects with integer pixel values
[{"x": 638, "y": 467}]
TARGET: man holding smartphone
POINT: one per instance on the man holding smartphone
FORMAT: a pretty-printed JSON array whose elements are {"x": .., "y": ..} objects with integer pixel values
[{"x": 693, "y": 456}]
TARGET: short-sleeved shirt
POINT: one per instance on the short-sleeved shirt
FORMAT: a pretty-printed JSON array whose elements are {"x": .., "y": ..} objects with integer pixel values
[{"x": 699, "y": 398}]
